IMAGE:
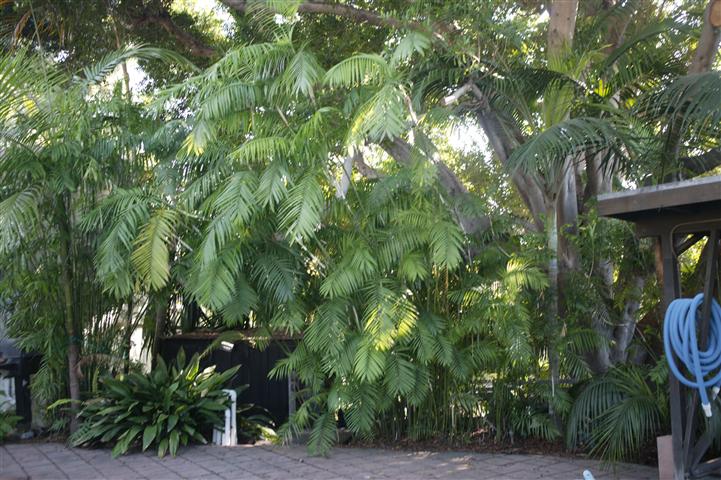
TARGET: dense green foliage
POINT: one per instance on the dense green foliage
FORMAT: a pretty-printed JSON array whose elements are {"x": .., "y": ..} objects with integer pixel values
[
  {"x": 66, "y": 141},
  {"x": 439, "y": 287},
  {"x": 166, "y": 409}
]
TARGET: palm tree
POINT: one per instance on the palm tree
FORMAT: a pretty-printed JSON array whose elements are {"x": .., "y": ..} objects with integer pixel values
[{"x": 66, "y": 141}]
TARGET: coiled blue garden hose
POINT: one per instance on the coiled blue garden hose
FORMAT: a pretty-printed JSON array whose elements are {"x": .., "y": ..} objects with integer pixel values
[{"x": 679, "y": 339}]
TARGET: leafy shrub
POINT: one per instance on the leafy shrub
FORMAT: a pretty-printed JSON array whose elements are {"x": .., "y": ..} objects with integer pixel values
[
  {"x": 618, "y": 414},
  {"x": 7, "y": 424},
  {"x": 7, "y": 420},
  {"x": 165, "y": 409}
]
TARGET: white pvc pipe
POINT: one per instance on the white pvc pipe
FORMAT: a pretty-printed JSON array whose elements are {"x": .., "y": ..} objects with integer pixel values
[{"x": 228, "y": 436}]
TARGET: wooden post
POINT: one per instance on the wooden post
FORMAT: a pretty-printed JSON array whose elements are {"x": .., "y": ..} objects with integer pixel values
[
  {"x": 672, "y": 291},
  {"x": 664, "y": 447}
]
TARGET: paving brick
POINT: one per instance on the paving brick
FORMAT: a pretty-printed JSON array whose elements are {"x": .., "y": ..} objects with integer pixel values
[{"x": 268, "y": 462}]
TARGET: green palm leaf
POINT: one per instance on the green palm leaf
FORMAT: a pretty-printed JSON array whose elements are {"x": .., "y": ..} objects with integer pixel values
[
  {"x": 97, "y": 72},
  {"x": 549, "y": 152},
  {"x": 301, "y": 210},
  {"x": 151, "y": 256},
  {"x": 18, "y": 215},
  {"x": 446, "y": 242},
  {"x": 359, "y": 70}
]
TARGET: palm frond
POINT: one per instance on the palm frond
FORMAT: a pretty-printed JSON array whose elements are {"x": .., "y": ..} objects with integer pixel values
[
  {"x": 127, "y": 211},
  {"x": 227, "y": 98},
  {"x": 616, "y": 414},
  {"x": 549, "y": 153},
  {"x": 273, "y": 184},
  {"x": 446, "y": 242},
  {"x": 362, "y": 69},
  {"x": 97, "y": 72},
  {"x": 691, "y": 104},
  {"x": 400, "y": 378},
  {"x": 300, "y": 211},
  {"x": 262, "y": 150},
  {"x": 214, "y": 281},
  {"x": 413, "y": 42},
  {"x": 521, "y": 274},
  {"x": 323, "y": 433},
  {"x": 151, "y": 257},
  {"x": 18, "y": 215},
  {"x": 369, "y": 362},
  {"x": 302, "y": 75},
  {"x": 382, "y": 117},
  {"x": 275, "y": 274}
]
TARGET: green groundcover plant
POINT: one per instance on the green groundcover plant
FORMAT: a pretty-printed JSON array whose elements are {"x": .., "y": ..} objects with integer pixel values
[{"x": 167, "y": 408}]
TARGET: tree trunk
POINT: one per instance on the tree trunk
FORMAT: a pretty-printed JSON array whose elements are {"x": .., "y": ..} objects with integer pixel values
[
  {"x": 629, "y": 316},
  {"x": 127, "y": 345},
  {"x": 553, "y": 296},
  {"x": 73, "y": 336},
  {"x": 565, "y": 253},
  {"x": 708, "y": 42},
  {"x": 599, "y": 361},
  {"x": 73, "y": 353},
  {"x": 561, "y": 25},
  {"x": 160, "y": 316},
  {"x": 567, "y": 220}
]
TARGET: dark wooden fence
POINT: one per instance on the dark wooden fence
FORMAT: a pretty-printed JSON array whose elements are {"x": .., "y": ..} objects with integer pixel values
[{"x": 255, "y": 364}]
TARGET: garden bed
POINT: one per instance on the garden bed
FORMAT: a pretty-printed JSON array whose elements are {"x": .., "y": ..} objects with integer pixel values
[{"x": 525, "y": 446}]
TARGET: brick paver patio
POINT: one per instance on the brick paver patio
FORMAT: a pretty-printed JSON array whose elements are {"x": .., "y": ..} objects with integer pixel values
[{"x": 56, "y": 461}]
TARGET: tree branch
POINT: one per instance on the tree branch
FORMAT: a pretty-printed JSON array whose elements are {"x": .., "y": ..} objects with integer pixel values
[
  {"x": 503, "y": 143},
  {"x": 163, "y": 19},
  {"x": 366, "y": 170},
  {"x": 319, "y": 7},
  {"x": 453, "y": 97},
  {"x": 700, "y": 164},
  {"x": 342, "y": 185},
  {"x": 352, "y": 13},
  {"x": 402, "y": 152}
]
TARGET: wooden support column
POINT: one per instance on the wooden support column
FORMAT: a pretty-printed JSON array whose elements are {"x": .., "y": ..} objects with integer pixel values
[{"x": 672, "y": 291}]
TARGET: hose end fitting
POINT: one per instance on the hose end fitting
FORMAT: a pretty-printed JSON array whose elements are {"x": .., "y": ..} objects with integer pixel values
[{"x": 706, "y": 409}]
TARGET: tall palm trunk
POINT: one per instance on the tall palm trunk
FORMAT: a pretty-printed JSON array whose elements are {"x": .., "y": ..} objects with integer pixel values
[
  {"x": 73, "y": 335},
  {"x": 553, "y": 296},
  {"x": 161, "y": 318},
  {"x": 127, "y": 344},
  {"x": 73, "y": 355},
  {"x": 563, "y": 204}
]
